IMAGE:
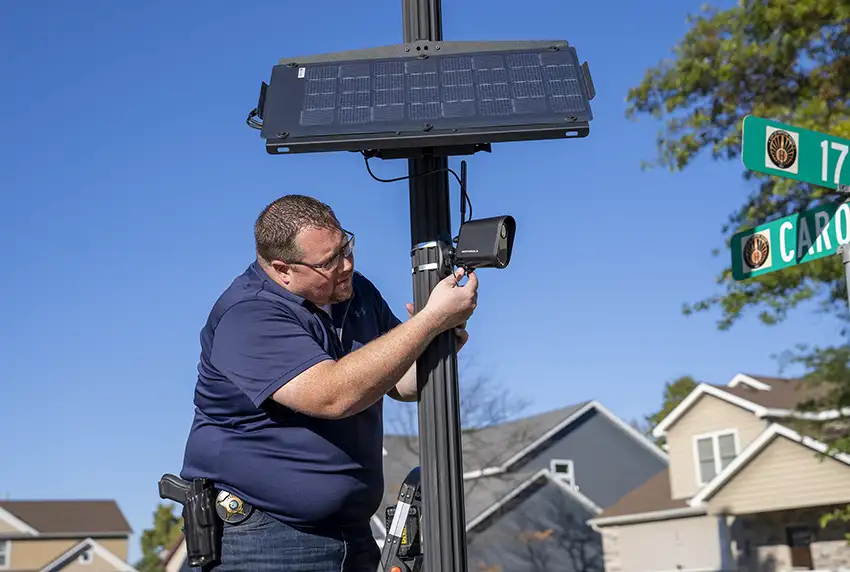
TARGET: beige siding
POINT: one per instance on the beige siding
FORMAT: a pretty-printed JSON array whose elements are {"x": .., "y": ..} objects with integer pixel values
[
  {"x": 681, "y": 544},
  {"x": 97, "y": 564},
  {"x": 33, "y": 554},
  {"x": 117, "y": 546},
  {"x": 6, "y": 528},
  {"x": 707, "y": 415},
  {"x": 784, "y": 475}
]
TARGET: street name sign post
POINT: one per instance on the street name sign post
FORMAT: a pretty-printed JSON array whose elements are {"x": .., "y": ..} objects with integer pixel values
[{"x": 792, "y": 152}]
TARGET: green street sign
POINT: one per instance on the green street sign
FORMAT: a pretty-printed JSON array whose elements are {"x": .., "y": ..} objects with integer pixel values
[
  {"x": 789, "y": 241},
  {"x": 791, "y": 152}
]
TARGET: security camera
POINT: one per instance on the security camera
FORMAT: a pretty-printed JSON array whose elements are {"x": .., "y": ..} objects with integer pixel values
[{"x": 485, "y": 243}]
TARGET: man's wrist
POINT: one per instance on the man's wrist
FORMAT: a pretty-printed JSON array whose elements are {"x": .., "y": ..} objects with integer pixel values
[{"x": 431, "y": 320}]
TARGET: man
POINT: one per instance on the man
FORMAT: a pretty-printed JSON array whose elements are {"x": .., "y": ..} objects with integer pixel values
[{"x": 296, "y": 356}]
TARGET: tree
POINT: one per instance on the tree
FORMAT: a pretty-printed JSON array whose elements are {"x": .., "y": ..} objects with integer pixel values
[
  {"x": 828, "y": 378},
  {"x": 162, "y": 536},
  {"x": 788, "y": 61},
  {"x": 674, "y": 392}
]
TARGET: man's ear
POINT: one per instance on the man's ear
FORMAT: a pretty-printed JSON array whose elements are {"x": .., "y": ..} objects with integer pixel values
[{"x": 283, "y": 269}]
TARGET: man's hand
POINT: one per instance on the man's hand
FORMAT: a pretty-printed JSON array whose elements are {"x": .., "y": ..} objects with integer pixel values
[
  {"x": 451, "y": 304},
  {"x": 460, "y": 331}
]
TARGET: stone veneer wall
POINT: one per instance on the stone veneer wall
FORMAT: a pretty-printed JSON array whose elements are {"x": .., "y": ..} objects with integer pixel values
[
  {"x": 760, "y": 541},
  {"x": 831, "y": 555}
]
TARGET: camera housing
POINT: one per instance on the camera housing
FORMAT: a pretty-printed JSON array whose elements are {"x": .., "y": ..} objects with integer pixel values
[{"x": 485, "y": 243}]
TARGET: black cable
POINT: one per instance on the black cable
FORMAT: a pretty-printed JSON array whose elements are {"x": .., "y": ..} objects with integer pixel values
[
  {"x": 464, "y": 196},
  {"x": 253, "y": 122},
  {"x": 431, "y": 172}
]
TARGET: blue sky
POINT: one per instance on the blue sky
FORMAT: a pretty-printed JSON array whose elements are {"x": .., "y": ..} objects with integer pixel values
[{"x": 130, "y": 184}]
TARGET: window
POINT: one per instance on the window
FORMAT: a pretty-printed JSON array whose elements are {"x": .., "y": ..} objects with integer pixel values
[
  {"x": 4, "y": 554},
  {"x": 714, "y": 451},
  {"x": 563, "y": 469}
]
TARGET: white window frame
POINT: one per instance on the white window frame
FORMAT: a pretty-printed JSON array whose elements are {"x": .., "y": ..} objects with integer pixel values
[
  {"x": 715, "y": 446},
  {"x": 7, "y": 551},
  {"x": 86, "y": 557},
  {"x": 570, "y": 476}
]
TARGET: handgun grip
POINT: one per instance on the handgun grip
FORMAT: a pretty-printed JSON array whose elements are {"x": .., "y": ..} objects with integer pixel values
[{"x": 174, "y": 488}]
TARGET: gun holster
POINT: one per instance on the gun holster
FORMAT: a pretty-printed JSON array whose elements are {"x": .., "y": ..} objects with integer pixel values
[{"x": 201, "y": 525}]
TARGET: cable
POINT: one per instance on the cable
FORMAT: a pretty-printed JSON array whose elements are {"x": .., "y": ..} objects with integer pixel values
[
  {"x": 431, "y": 172},
  {"x": 464, "y": 196},
  {"x": 253, "y": 122}
]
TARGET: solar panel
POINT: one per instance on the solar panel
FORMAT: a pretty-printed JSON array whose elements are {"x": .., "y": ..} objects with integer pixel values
[{"x": 457, "y": 93}]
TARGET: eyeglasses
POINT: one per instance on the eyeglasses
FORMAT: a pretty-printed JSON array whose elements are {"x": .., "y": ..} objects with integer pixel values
[{"x": 345, "y": 251}]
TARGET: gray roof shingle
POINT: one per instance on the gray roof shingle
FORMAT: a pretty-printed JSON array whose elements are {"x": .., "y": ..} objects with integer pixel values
[{"x": 483, "y": 448}]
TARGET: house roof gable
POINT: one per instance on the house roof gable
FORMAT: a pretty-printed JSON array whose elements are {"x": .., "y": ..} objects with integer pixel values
[
  {"x": 527, "y": 482},
  {"x": 774, "y": 431},
  {"x": 700, "y": 390},
  {"x": 72, "y": 553},
  {"x": 762, "y": 396}
]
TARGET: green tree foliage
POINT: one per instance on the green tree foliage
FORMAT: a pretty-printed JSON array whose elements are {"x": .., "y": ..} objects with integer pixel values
[
  {"x": 161, "y": 537},
  {"x": 828, "y": 379},
  {"x": 788, "y": 61},
  {"x": 674, "y": 392},
  {"x": 782, "y": 60}
]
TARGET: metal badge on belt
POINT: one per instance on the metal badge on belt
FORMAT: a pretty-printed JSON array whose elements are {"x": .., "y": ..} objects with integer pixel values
[{"x": 231, "y": 509}]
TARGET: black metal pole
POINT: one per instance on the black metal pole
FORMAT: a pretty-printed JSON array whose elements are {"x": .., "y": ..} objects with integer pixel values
[{"x": 440, "y": 449}]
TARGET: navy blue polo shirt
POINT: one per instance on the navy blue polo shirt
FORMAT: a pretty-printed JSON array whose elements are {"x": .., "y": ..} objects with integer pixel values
[{"x": 305, "y": 471}]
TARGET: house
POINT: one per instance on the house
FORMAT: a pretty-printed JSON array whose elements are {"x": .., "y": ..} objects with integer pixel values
[
  {"x": 70, "y": 535},
  {"x": 530, "y": 487},
  {"x": 744, "y": 489},
  {"x": 532, "y": 484}
]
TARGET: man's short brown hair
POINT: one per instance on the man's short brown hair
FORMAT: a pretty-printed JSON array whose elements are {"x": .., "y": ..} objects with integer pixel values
[{"x": 279, "y": 223}]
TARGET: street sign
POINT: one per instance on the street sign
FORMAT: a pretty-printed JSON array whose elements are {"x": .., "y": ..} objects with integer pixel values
[
  {"x": 791, "y": 152},
  {"x": 792, "y": 240}
]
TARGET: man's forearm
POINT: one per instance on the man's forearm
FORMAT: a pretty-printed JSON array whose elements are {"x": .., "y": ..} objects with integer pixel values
[
  {"x": 365, "y": 375},
  {"x": 406, "y": 389}
]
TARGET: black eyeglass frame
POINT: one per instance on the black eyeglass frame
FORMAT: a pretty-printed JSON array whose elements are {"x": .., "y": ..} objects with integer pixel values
[{"x": 345, "y": 250}]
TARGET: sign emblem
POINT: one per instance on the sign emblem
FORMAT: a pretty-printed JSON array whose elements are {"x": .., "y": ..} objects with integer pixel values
[
  {"x": 782, "y": 149},
  {"x": 756, "y": 251}
]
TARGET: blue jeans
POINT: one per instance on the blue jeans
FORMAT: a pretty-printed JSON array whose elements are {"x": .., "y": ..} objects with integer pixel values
[{"x": 261, "y": 543}]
